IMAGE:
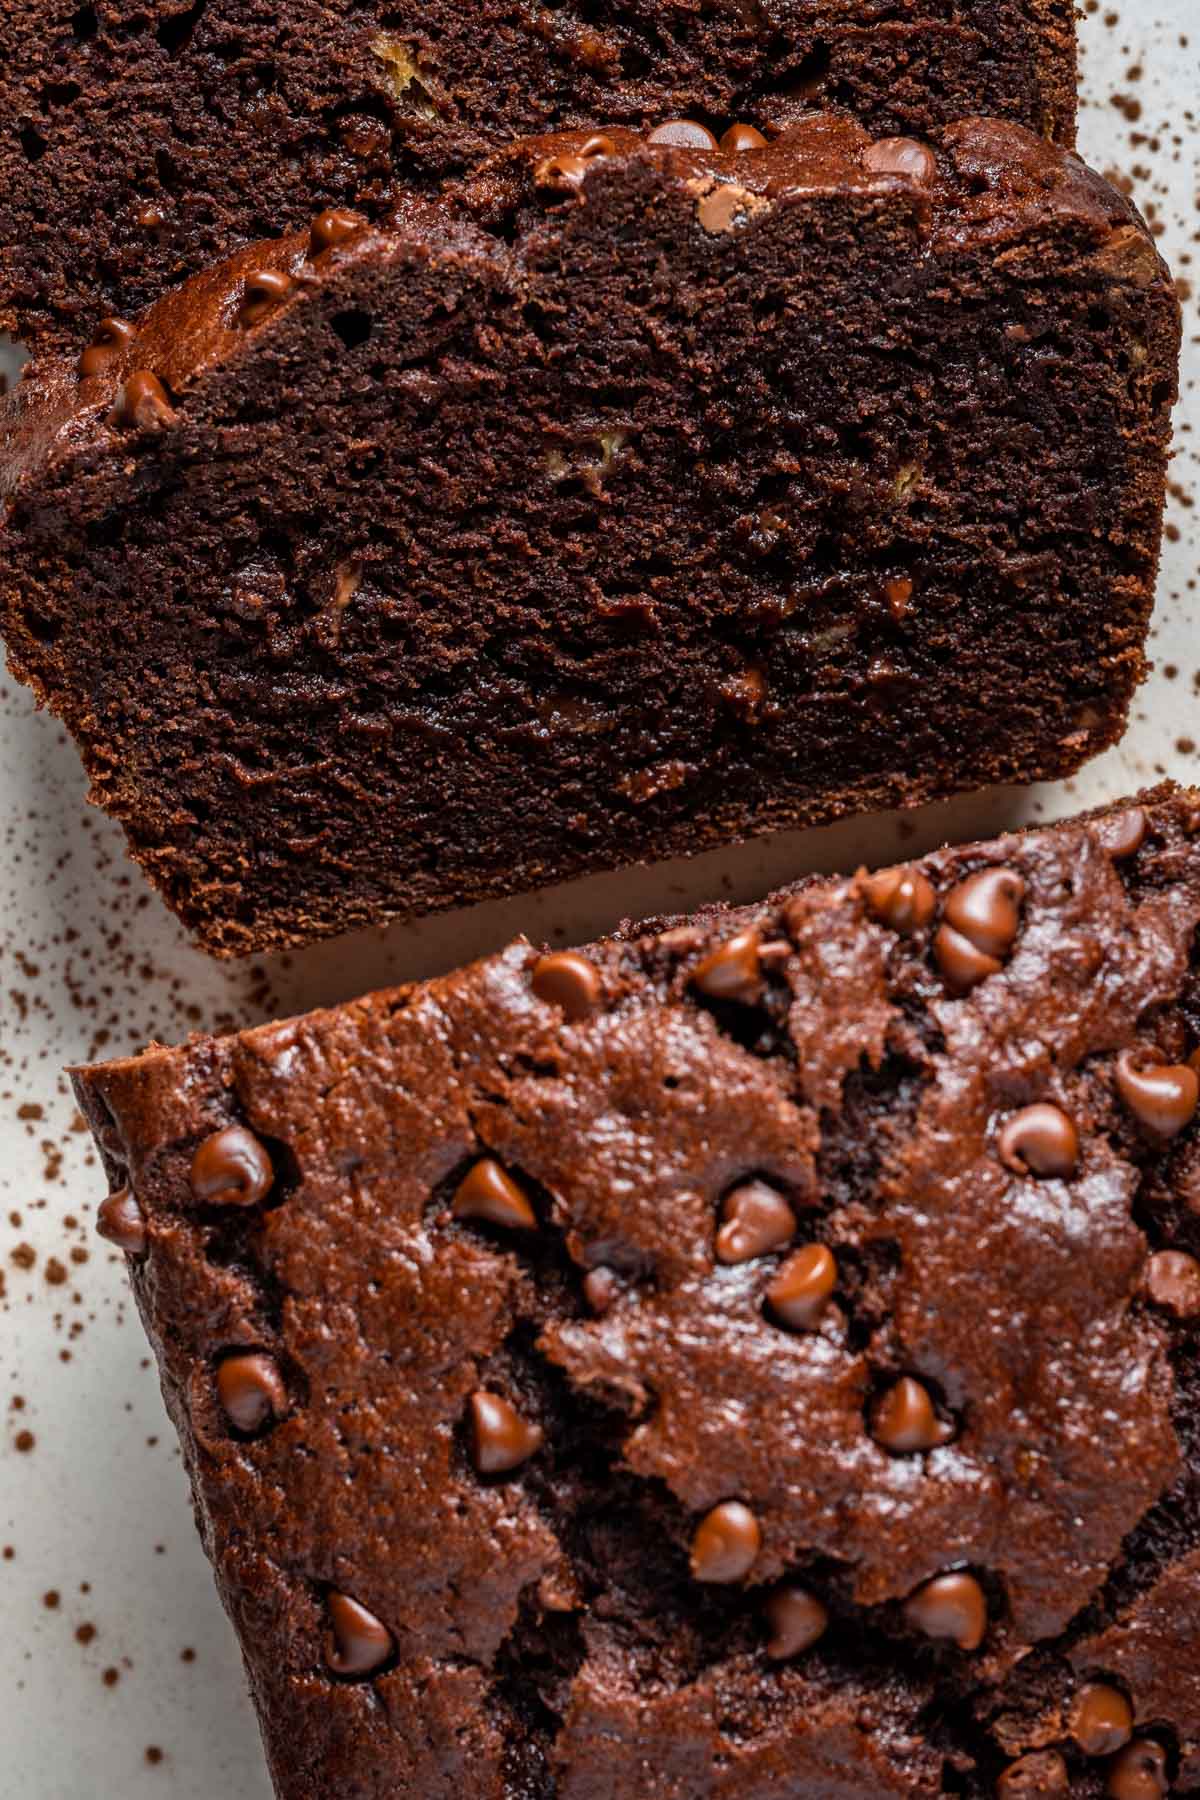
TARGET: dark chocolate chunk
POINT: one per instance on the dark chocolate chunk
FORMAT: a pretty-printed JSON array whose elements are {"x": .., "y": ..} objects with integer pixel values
[
  {"x": 332, "y": 227},
  {"x": 950, "y": 1606},
  {"x": 742, "y": 137},
  {"x": 501, "y": 1440},
  {"x": 900, "y": 898},
  {"x": 250, "y": 1389},
  {"x": 1161, "y": 1096},
  {"x": 905, "y": 1419},
  {"x": 1101, "y": 1719},
  {"x": 489, "y": 1192},
  {"x": 142, "y": 402},
  {"x": 121, "y": 1220},
  {"x": 1139, "y": 1772},
  {"x": 800, "y": 1291},
  {"x": 757, "y": 1220},
  {"x": 1039, "y": 1140},
  {"x": 113, "y": 336},
  {"x": 726, "y": 1543},
  {"x": 262, "y": 293},
  {"x": 732, "y": 971},
  {"x": 231, "y": 1168},
  {"x": 797, "y": 1621},
  {"x": 356, "y": 1642},
  {"x": 980, "y": 920},
  {"x": 566, "y": 979}
]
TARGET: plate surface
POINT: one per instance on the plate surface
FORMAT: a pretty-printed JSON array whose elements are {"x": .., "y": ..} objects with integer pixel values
[{"x": 118, "y": 1672}]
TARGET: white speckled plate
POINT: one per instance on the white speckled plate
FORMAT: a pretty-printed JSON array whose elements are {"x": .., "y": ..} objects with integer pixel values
[{"x": 118, "y": 1672}]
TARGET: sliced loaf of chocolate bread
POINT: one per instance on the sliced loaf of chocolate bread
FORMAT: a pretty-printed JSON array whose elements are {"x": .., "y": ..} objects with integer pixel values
[
  {"x": 630, "y": 499},
  {"x": 753, "y": 1360},
  {"x": 142, "y": 142}
]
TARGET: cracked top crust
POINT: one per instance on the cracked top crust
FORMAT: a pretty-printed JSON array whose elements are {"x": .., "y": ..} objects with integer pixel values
[{"x": 971, "y": 1087}]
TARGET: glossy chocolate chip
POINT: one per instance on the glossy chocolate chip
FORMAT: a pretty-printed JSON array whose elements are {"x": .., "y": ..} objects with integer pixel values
[
  {"x": 742, "y": 137},
  {"x": 262, "y": 293},
  {"x": 1161, "y": 1096},
  {"x": 980, "y": 921},
  {"x": 1101, "y": 1719},
  {"x": 904, "y": 1418},
  {"x": 489, "y": 1192},
  {"x": 1123, "y": 834},
  {"x": 563, "y": 173},
  {"x": 757, "y": 1220},
  {"x": 597, "y": 145},
  {"x": 800, "y": 1292},
  {"x": 231, "y": 1168},
  {"x": 250, "y": 1389},
  {"x": 1039, "y": 1140},
  {"x": 952, "y": 1607},
  {"x": 961, "y": 963},
  {"x": 726, "y": 1543},
  {"x": 901, "y": 156},
  {"x": 501, "y": 1440},
  {"x": 687, "y": 133},
  {"x": 1172, "y": 1281},
  {"x": 113, "y": 336},
  {"x": 567, "y": 980},
  {"x": 1041, "y": 1773},
  {"x": 356, "y": 1643},
  {"x": 732, "y": 971},
  {"x": 797, "y": 1621},
  {"x": 1139, "y": 1772},
  {"x": 142, "y": 402},
  {"x": 901, "y": 898},
  {"x": 332, "y": 227},
  {"x": 121, "y": 1220}
]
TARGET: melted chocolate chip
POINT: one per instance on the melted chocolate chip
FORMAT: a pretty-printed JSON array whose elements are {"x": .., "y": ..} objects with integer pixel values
[
  {"x": 1161, "y": 1096},
  {"x": 1172, "y": 1281},
  {"x": 726, "y": 1543},
  {"x": 797, "y": 1621},
  {"x": 1101, "y": 1719},
  {"x": 501, "y": 1440},
  {"x": 742, "y": 137},
  {"x": 1139, "y": 1772},
  {"x": 356, "y": 1643},
  {"x": 567, "y": 980},
  {"x": 800, "y": 1292},
  {"x": 901, "y": 156},
  {"x": 757, "y": 1220},
  {"x": 980, "y": 921},
  {"x": 121, "y": 1220},
  {"x": 250, "y": 1389},
  {"x": 732, "y": 971},
  {"x": 142, "y": 402},
  {"x": 1123, "y": 834},
  {"x": 113, "y": 336},
  {"x": 262, "y": 294},
  {"x": 905, "y": 1419},
  {"x": 686, "y": 133},
  {"x": 952, "y": 1607},
  {"x": 597, "y": 145},
  {"x": 489, "y": 1192},
  {"x": 231, "y": 1168},
  {"x": 332, "y": 227},
  {"x": 1040, "y": 1140},
  {"x": 902, "y": 899},
  {"x": 1042, "y": 1772},
  {"x": 563, "y": 173}
]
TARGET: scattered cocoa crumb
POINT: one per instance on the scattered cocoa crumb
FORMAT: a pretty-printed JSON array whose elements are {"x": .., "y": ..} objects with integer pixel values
[
  {"x": 111, "y": 1677},
  {"x": 153, "y": 1754},
  {"x": 51, "y": 1598},
  {"x": 24, "y": 1256},
  {"x": 55, "y": 1271},
  {"x": 85, "y": 1633},
  {"x": 24, "y": 1442}
]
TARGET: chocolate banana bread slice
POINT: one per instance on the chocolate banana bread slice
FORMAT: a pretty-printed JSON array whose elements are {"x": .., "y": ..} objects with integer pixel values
[
  {"x": 754, "y": 1357},
  {"x": 630, "y": 499},
  {"x": 142, "y": 142}
]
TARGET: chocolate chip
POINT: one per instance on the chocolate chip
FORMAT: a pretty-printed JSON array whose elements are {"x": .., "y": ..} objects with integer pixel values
[
  {"x": 567, "y": 980},
  {"x": 979, "y": 925},
  {"x": 950, "y": 1606},
  {"x": 600, "y": 1289},
  {"x": 1101, "y": 1719},
  {"x": 757, "y": 1220},
  {"x": 1139, "y": 1772},
  {"x": 113, "y": 336},
  {"x": 332, "y": 227},
  {"x": 904, "y": 1418},
  {"x": 489, "y": 1192},
  {"x": 231, "y": 1168},
  {"x": 501, "y": 1440},
  {"x": 686, "y": 133},
  {"x": 1040, "y": 1140},
  {"x": 597, "y": 145},
  {"x": 901, "y": 899},
  {"x": 901, "y": 156},
  {"x": 1172, "y": 1280},
  {"x": 742, "y": 137},
  {"x": 142, "y": 402},
  {"x": 121, "y": 1220},
  {"x": 1161, "y": 1096},
  {"x": 250, "y": 1389},
  {"x": 1123, "y": 834},
  {"x": 262, "y": 294},
  {"x": 1042, "y": 1772},
  {"x": 800, "y": 1292},
  {"x": 732, "y": 971},
  {"x": 797, "y": 1621},
  {"x": 356, "y": 1642},
  {"x": 726, "y": 1543},
  {"x": 563, "y": 173}
]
